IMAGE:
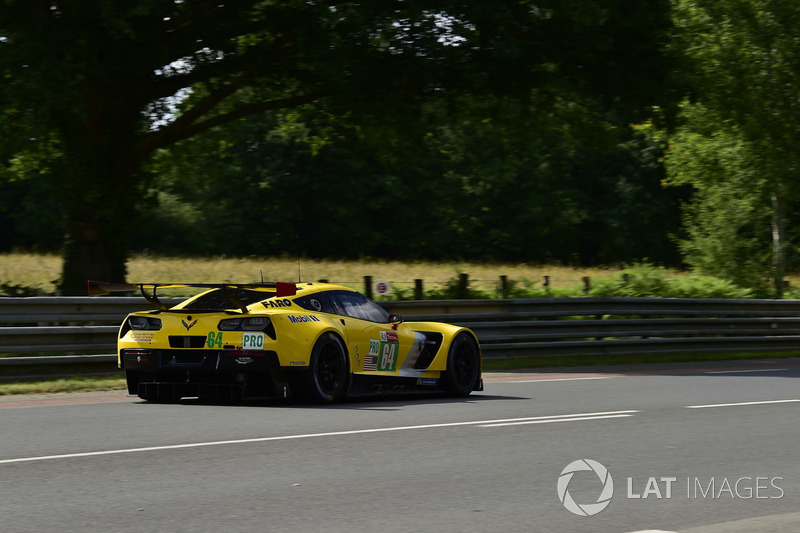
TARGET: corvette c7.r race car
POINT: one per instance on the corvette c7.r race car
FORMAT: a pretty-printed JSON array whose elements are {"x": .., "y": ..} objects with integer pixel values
[{"x": 317, "y": 342}]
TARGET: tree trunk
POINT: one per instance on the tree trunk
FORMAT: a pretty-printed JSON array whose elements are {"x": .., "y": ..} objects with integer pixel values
[
  {"x": 93, "y": 250},
  {"x": 99, "y": 197},
  {"x": 777, "y": 196}
]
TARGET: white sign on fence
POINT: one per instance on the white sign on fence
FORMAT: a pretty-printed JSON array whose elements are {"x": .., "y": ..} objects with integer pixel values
[{"x": 382, "y": 288}]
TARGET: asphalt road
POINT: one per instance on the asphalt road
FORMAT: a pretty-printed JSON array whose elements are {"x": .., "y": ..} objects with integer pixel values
[{"x": 700, "y": 448}]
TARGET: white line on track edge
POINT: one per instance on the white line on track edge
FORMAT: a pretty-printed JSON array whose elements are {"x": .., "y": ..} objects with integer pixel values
[
  {"x": 553, "y": 420},
  {"x": 745, "y": 371},
  {"x": 765, "y": 402},
  {"x": 560, "y": 418},
  {"x": 549, "y": 380}
]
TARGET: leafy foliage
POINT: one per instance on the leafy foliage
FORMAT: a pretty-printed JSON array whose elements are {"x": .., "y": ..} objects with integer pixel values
[
  {"x": 738, "y": 143},
  {"x": 640, "y": 280},
  {"x": 8, "y": 288},
  {"x": 649, "y": 281},
  {"x": 489, "y": 180},
  {"x": 99, "y": 86}
]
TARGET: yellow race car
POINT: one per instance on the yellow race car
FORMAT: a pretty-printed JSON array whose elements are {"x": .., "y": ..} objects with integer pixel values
[{"x": 313, "y": 341}]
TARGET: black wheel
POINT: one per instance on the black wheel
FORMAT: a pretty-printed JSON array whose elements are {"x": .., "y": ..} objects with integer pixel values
[
  {"x": 327, "y": 378},
  {"x": 463, "y": 365}
]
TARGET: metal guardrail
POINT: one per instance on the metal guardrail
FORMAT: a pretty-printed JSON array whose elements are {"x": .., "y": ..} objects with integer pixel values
[
  {"x": 607, "y": 326},
  {"x": 75, "y": 310},
  {"x": 83, "y": 329}
]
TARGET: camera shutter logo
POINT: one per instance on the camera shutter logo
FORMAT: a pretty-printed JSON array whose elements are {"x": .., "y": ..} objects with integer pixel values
[{"x": 587, "y": 509}]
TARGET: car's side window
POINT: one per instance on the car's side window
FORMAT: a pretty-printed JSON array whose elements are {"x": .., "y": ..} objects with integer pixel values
[
  {"x": 357, "y": 305},
  {"x": 320, "y": 302}
]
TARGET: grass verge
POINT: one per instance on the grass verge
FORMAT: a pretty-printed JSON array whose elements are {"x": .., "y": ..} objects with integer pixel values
[{"x": 64, "y": 384}]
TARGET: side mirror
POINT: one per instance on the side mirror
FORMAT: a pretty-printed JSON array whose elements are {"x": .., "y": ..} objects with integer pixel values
[{"x": 395, "y": 320}]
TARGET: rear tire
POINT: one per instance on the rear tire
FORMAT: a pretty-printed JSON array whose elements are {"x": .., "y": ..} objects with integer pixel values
[
  {"x": 327, "y": 378},
  {"x": 463, "y": 365}
]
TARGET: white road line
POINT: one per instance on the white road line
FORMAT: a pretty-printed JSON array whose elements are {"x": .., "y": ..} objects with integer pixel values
[
  {"x": 600, "y": 413},
  {"x": 745, "y": 371},
  {"x": 564, "y": 418},
  {"x": 740, "y": 403},
  {"x": 553, "y": 420},
  {"x": 545, "y": 380}
]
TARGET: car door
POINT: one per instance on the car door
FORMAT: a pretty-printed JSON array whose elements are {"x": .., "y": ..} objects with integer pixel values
[{"x": 376, "y": 346}]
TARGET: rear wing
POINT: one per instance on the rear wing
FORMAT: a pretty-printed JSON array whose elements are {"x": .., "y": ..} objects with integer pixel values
[{"x": 149, "y": 290}]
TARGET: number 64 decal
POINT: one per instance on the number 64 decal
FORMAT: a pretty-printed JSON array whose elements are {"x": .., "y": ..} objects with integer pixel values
[{"x": 388, "y": 357}]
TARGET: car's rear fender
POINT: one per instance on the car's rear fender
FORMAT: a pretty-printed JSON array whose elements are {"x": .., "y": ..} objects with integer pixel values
[{"x": 297, "y": 333}]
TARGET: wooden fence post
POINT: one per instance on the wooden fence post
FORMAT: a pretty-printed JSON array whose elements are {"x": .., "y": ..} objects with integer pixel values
[
  {"x": 504, "y": 287},
  {"x": 418, "y": 289},
  {"x": 461, "y": 290},
  {"x": 368, "y": 286}
]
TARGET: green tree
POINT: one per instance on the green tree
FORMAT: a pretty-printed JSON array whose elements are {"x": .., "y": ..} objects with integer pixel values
[
  {"x": 487, "y": 179},
  {"x": 728, "y": 221},
  {"x": 738, "y": 144},
  {"x": 555, "y": 181},
  {"x": 107, "y": 83}
]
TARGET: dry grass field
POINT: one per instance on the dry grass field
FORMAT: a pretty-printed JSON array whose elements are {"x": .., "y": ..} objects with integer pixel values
[{"x": 42, "y": 271}]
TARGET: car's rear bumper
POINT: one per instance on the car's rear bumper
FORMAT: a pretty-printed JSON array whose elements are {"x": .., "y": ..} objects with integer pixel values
[{"x": 211, "y": 374}]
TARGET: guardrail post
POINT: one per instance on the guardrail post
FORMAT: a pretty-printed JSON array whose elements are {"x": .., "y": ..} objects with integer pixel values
[
  {"x": 418, "y": 289},
  {"x": 587, "y": 284}
]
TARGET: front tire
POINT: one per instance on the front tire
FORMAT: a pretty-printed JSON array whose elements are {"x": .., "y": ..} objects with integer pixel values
[
  {"x": 327, "y": 378},
  {"x": 463, "y": 365}
]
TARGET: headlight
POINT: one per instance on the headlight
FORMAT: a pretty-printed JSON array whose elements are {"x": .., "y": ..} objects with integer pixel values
[
  {"x": 144, "y": 322},
  {"x": 256, "y": 323}
]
